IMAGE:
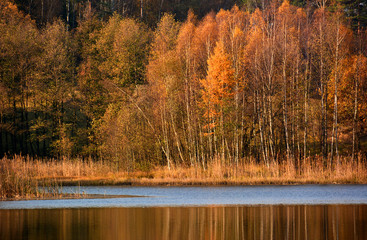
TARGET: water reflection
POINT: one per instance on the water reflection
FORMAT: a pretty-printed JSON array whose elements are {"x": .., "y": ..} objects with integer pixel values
[{"x": 242, "y": 222}]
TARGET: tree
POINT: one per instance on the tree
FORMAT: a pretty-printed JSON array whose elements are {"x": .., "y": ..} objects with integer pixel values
[
  {"x": 232, "y": 26},
  {"x": 123, "y": 48},
  {"x": 54, "y": 81},
  {"x": 165, "y": 79},
  {"x": 356, "y": 12},
  {"x": 318, "y": 48},
  {"x": 206, "y": 35},
  {"x": 185, "y": 50},
  {"x": 92, "y": 95},
  {"x": 217, "y": 95},
  {"x": 18, "y": 49},
  {"x": 351, "y": 94},
  {"x": 254, "y": 76},
  {"x": 339, "y": 46}
]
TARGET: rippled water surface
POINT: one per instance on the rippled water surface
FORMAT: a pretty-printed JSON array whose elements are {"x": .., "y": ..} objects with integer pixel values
[
  {"x": 201, "y": 196},
  {"x": 257, "y": 212}
]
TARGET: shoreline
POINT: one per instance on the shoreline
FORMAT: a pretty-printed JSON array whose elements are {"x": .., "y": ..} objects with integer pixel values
[
  {"x": 70, "y": 196},
  {"x": 163, "y": 183},
  {"x": 147, "y": 182},
  {"x": 21, "y": 177}
]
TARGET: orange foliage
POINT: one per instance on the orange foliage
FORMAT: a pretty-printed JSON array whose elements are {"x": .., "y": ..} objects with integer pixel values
[
  {"x": 9, "y": 13},
  {"x": 353, "y": 69},
  {"x": 218, "y": 85},
  {"x": 186, "y": 35}
]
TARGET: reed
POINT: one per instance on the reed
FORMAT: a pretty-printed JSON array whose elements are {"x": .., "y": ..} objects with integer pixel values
[
  {"x": 19, "y": 180},
  {"x": 16, "y": 179},
  {"x": 22, "y": 176},
  {"x": 251, "y": 172}
]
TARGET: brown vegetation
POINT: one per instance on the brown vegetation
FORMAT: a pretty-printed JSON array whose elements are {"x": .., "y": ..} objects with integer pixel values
[
  {"x": 21, "y": 176},
  {"x": 18, "y": 179}
]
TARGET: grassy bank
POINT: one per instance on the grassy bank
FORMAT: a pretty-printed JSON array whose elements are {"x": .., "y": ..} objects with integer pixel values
[
  {"x": 21, "y": 177},
  {"x": 19, "y": 180}
]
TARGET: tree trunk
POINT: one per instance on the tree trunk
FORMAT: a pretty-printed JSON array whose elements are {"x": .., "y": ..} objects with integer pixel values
[
  {"x": 285, "y": 118},
  {"x": 306, "y": 112},
  {"x": 141, "y": 9},
  {"x": 165, "y": 137},
  {"x": 334, "y": 137},
  {"x": 356, "y": 82},
  {"x": 14, "y": 135}
]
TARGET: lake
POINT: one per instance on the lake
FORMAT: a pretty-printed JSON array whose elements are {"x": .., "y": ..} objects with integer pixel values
[{"x": 248, "y": 212}]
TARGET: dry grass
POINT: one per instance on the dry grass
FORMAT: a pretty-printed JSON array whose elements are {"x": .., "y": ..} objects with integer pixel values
[
  {"x": 18, "y": 180},
  {"x": 251, "y": 172},
  {"x": 75, "y": 168},
  {"x": 28, "y": 178},
  {"x": 21, "y": 176}
]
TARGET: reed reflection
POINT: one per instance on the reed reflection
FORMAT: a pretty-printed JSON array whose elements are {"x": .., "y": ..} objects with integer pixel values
[{"x": 259, "y": 222}]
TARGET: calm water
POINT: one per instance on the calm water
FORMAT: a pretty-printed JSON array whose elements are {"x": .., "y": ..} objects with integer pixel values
[{"x": 260, "y": 212}]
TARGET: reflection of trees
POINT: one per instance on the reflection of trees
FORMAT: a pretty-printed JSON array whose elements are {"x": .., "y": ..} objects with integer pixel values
[{"x": 256, "y": 222}]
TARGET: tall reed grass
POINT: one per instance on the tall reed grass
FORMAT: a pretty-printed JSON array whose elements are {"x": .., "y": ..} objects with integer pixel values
[
  {"x": 16, "y": 179},
  {"x": 22, "y": 177},
  {"x": 19, "y": 179},
  {"x": 251, "y": 172}
]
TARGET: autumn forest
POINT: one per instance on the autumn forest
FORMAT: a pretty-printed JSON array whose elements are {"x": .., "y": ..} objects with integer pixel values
[{"x": 271, "y": 82}]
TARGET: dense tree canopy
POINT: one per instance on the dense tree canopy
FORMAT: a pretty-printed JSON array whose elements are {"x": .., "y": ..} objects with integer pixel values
[{"x": 268, "y": 80}]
